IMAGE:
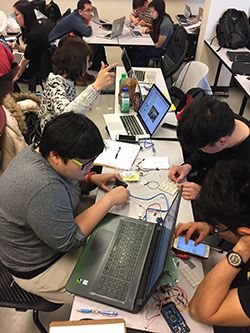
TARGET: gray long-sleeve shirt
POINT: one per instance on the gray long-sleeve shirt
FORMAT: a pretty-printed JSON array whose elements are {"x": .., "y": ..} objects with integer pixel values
[{"x": 37, "y": 208}]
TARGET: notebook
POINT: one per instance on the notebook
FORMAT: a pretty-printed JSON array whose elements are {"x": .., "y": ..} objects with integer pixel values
[
  {"x": 123, "y": 260},
  {"x": 144, "y": 123},
  {"x": 117, "y": 28}
]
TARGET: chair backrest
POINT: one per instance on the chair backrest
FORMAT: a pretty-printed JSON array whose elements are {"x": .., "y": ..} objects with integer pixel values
[
  {"x": 6, "y": 82},
  {"x": 193, "y": 75},
  {"x": 175, "y": 52}
]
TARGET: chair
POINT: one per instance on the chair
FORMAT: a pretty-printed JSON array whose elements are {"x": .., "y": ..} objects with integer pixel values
[
  {"x": 175, "y": 53},
  {"x": 193, "y": 75},
  {"x": 12, "y": 296},
  {"x": 6, "y": 82}
]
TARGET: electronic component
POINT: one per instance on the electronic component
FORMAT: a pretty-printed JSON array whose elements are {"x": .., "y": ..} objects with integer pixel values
[
  {"x": 120, "y": 183},
  {"x": 174, "y": 318},
  {"x": 169, "y": 186}
]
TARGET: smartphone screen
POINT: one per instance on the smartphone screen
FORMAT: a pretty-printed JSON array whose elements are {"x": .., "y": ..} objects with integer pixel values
[{"x": 190, "y": 247}]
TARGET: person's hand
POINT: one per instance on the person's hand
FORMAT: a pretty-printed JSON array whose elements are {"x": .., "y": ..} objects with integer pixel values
[
  {"x": 145, "y": 30},
  {"x": 190, "y": 190},
  {"x": 102, "y": 179},
  {"x": 201, "y": 229},
  {"x": 134, "y": 20},
  {"x": 178, "y": 172},
  {"x": 118, "y": 195},
  {"x": 105, "y": 77}
]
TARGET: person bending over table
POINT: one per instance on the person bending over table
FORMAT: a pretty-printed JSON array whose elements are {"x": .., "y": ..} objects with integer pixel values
[
  {"x": 40, "y": 230},
  {"x": 161, "y": 32},
  {"x": 141, "y": 14},
  {"x": 79, "y": 22},
  {"x": 211, "y": 129},
  {"x": 69, "y": 62},
  {"x": 35, "y": 39},
  {"x": 223, "y": 297}
]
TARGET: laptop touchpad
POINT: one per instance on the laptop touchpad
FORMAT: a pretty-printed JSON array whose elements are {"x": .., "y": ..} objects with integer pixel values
[
  {"x": 101, "y": 241},
  {"x": 115, "y": 125}
]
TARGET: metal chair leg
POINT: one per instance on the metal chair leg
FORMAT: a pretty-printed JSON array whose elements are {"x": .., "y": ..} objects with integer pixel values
[{"x": 37, "y": 322}]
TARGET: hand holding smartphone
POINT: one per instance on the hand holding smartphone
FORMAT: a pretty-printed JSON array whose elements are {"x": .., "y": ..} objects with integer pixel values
[{"x": 201, "y": 250}]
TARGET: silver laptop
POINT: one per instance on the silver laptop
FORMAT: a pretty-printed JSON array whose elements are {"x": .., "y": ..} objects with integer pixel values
[
  {"x": 96, "y": 18},
  {"x": 142, "y": 76},
  {"x": 117, "y": 28},
  {"x": 144, "y": 123},
  {"x": 124, "y": 260}
]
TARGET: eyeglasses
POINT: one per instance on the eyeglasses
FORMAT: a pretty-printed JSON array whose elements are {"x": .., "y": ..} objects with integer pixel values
[
  {"x": 88, "y": 11},
  {"x": 82, "y": 165}
]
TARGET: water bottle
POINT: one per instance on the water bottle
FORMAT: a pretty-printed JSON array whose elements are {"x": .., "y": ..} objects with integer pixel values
[
  {"x": 123, "y": 77},
  {"x": 125, "y": 100}
]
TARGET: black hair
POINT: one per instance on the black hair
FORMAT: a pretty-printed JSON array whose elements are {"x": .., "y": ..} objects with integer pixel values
[
  {"x": 71, "y": 135},
  {"x": 70, "y": 58},
  {"x": 225, "y": 194},
  {"x": 81, "y": 4},
  {"x": 138, "y": 3},
  {"x": 205, "y": 121},
  {"x": 160, "y": 7},
  {"x": 30, "y": 21}
]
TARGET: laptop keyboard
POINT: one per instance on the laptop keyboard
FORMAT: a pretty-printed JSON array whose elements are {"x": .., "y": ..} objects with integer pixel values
[
  {"x": 131, "y": 125},
  {"x": 140, "y": 75},
  {"x": 120, "y": 267}
]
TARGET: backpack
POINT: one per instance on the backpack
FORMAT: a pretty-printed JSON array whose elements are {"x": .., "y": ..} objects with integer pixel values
[
  {"x": 233, "y": 29},
  {"x": 53, "y": 12},
  {"x": 182, "y": 100}
]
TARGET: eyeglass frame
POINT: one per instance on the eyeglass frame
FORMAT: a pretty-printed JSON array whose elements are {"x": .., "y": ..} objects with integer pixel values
[{"x": 82, "y": 165}]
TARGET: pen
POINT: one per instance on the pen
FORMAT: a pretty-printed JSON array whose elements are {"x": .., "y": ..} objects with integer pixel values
[
  {"x": 118, "y": 151},
  {"x": 102, "y": 312}
]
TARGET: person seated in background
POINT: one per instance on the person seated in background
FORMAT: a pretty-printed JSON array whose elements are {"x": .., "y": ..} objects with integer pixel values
[
  {"x": 213, "y": 132},
  {"x": 79, "y": 22},
  {"x": 141, "y": 14},
  {"x": 7, "y": 59},
  {"x": 35, "y": 39},
  {"x": 223, "y": 297},
  {"x": 42, "y": 190},
  {"x": 69, "y": 62},
  {"x": 161, "y": 32}
]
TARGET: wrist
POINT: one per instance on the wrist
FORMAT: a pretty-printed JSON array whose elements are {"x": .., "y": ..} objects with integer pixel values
[
  {"x": 187, "y": 167},
  {"x": 96, "y": 87},
  {"x": 242, "y": 250}
]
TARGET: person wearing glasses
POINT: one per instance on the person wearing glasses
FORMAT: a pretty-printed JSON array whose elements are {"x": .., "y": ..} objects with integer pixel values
[
  {"x": 223, "y": 297},
  {"x": 70, "y": 61},
  {"x": 212, "y": 132},
  {"x": 41, "y": 229},
  {"x": 79, "y": 23}
]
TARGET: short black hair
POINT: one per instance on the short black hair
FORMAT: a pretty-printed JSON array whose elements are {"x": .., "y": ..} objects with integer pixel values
[
  {"x": 138, "y": 3},
  {"x": 81, "y": 4},
  {"x": 225, "y": 194},
  {"x": 70, "y": 57},
  {"x": 71, "y": 135},
  {"x": 205, "y": 121}
]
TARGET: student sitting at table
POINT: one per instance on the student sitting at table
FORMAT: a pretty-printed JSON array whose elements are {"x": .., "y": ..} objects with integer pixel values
[
  {"x": 141, "y": 14},
  {"x": 161, "y": 32},
  {"x": 35, "y": 39},
  {"x": 41, "y": 229},
  {"x": 223, "y": 297},
  {"x": 79, "y": 22},
  {"x": 69, "y": 62},
  {"x": 213, "y": 132}
]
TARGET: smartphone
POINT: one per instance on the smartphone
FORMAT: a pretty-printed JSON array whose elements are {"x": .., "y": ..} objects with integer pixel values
[
  {"x": 202, "y": 250},
  {"x": 127, "y": 138}
]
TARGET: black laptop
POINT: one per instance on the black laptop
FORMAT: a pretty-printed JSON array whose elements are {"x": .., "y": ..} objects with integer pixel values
[{"x": 123, "y": 260}]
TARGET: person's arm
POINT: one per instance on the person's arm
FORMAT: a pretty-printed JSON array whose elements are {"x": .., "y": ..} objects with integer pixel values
[
  {"x": 214, "y": 303},
  {"x": 84, "y": 29},
  {"x": 21, "y": 68},
  {"x": 161, "y": 41}
]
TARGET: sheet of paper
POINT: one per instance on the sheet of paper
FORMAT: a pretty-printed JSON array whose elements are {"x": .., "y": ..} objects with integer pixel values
[
  {"x": 105, "y": 328},
  {"x": 120, "y": 155},
  {"x": 155, "y": 162}
]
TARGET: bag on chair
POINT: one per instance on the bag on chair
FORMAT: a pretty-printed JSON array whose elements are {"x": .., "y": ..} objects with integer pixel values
[
  {"x": 233, "y": 29},
  {"x": 182, "y": 100}
]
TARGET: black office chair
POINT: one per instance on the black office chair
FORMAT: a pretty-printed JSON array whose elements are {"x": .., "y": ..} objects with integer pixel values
[
  {"x": 175, "y": 53},
  {"x": 12, "y": 296}
]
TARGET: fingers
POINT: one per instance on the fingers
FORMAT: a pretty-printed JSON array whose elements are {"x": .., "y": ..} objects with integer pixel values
[
  {"x": 117, "y": 176},
  {"x": 182, "y": 228},
  {"x": 103, "y": 66},
  {"x": 110, "y": 67}
]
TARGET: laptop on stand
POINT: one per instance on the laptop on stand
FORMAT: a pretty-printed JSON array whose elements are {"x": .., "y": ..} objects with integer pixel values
[
  {"x": 117, "y": 28},
  {"x": 123, "y": 260},
  {"x": 145, "y": 122},
  {"x": 96, "y": 19}
]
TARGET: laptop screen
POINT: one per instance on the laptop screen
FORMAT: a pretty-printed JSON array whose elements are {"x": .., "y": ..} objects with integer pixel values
[
  {"x": 164, "y": 244},
  {"x": 126, "y": 63},
  {"x": 153, "y": 109}
]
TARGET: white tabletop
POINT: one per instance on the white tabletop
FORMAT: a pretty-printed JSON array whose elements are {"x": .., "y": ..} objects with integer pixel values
[
  {"x": 133, "y": 209},
  {"x": 127, "y": 39}
]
